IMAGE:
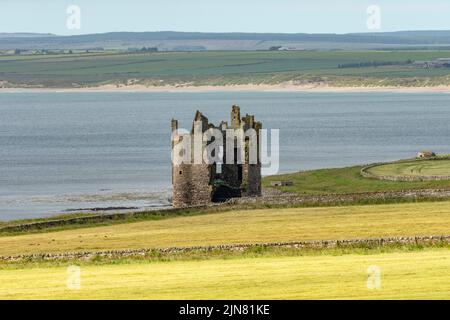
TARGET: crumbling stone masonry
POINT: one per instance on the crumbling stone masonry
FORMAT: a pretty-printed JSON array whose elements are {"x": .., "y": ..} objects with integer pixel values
[{"x": 201, "y": 184}]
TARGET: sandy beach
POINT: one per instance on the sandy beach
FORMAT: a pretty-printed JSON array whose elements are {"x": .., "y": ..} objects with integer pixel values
[{"x": 234, "y": 88}]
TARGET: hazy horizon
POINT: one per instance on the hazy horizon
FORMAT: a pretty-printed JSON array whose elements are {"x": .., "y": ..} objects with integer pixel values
[
  {"x": 251, "y": 16},
  {"x": 223, "y": 32}
]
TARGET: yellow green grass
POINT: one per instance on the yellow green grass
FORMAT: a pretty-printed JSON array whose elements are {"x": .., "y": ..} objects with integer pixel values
[
  {"x": 404, "y": 275},
  {"x": 247, "y": 226},
  {"x": 347, "y": 180},
  {"x": 413, "y": 168}
]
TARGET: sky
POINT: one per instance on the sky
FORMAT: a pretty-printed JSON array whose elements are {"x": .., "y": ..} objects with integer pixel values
[{"x": 286, "y": 16}]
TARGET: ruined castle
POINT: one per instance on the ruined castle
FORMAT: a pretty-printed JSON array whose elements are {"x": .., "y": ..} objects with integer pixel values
[{"x": 196, "y": 184}]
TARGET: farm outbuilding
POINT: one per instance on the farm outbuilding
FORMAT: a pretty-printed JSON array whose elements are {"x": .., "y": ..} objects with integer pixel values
[{"x": 426, "y": 154}]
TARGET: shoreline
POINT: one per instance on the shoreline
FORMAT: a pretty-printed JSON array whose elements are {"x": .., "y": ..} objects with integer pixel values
[{"x": 232, "y": 88}]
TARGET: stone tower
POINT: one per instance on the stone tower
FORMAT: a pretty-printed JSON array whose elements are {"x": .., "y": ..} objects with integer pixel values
[{"x": 198, "y": 184}]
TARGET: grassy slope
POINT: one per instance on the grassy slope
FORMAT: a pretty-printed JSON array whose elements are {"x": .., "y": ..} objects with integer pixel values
[
  {"x": 250, "y": 226},
  {"x": 316, "y": 182},
  {"x": 414, "y": 168},
  {"x": 413, "y": 275},
  {"x": 221, "y": 68},
  {"x": 346, "y": 180}
]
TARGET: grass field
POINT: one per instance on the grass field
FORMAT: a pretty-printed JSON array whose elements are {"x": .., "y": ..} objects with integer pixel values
[
  {"x": 249, "y": 226},
  {"x": 347, "y": 180},
  {"x": 221, "y": 68},
  {"x": 404, "y": 275},
  {"x": 406, "y": 271},
  {"x": 413, "y": 168}
]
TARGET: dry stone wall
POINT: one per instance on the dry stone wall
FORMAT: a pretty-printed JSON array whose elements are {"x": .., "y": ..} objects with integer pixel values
[{"x": 374, "y": 242}]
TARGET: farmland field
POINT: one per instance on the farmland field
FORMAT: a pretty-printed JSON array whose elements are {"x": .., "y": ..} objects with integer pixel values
[
  {"x": 421, "y": 274},
  {"x": 220, "y": 68},
  {"x": 247, "y": 226},
  {"x": 412, "y": 271},
  {"x": 440, "y": 168}
]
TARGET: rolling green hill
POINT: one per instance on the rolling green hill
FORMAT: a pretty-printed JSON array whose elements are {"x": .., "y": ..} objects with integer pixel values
[
  {"x": 222, "y": 68},
  {"x": 350, "y": 180},
  {"x": 169, "y": 40}
]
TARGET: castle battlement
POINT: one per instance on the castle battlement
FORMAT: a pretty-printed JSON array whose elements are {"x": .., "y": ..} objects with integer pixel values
[{"x": 198, "y": 183}]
